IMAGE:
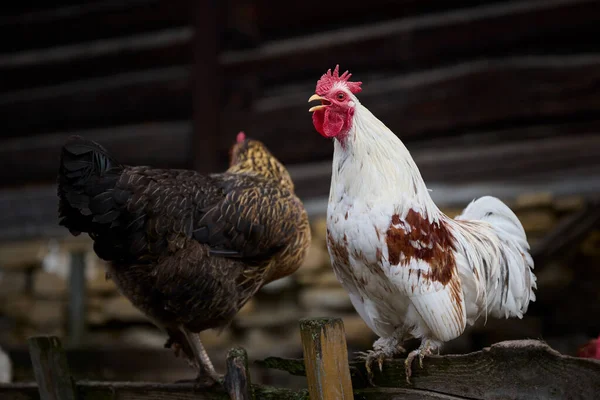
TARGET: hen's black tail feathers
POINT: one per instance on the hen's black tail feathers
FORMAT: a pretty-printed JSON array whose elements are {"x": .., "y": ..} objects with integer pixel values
[{"x": 86, "y": 173}]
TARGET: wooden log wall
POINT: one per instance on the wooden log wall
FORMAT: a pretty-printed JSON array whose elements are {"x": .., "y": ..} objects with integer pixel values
[{"x": 170, "y": 83}]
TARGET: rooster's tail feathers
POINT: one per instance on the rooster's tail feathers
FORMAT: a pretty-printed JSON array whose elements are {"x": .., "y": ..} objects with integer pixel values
[{"x": 511, "y": 281}]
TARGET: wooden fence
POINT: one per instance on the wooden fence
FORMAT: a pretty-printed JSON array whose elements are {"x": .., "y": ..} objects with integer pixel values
[{"x": 527, "y": 369}]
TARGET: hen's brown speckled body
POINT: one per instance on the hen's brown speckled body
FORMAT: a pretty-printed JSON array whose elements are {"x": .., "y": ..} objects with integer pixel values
[{"x": 187, "y": 249}]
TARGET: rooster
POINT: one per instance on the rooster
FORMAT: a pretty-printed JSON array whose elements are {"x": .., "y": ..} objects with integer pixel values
[
  {"x": 411, "y": 271},
  {"x": 187, "y": 249}
]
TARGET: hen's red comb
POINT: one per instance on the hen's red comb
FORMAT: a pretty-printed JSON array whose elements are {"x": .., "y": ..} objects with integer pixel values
[
  {"x": 241, "y": 137},
  {"x": 329, "y": 79}
]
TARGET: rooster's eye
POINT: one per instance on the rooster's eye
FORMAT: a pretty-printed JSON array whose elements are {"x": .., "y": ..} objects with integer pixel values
[{"x": 341, "y": 96}]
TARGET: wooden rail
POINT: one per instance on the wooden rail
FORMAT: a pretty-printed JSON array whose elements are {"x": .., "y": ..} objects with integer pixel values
[{"x": 527, "y": 369}]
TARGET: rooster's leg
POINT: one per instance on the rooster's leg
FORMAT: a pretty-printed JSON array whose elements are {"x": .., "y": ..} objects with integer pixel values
[
  {"x": 383, "y": 348},
  {"x": 425, "y": 349},
  {"x": 201, "y": 355}
]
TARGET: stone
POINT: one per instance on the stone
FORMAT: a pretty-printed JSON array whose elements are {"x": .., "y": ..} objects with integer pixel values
[
  {"x": 324, "y": 278},
  {"x": 358, "y": 334},
  {"x": 335, "y": 299},
  {"x": 213, "y": 338},
  {"x": 22, "y": 255},
  {"x": 536, "y": 221},
  {"x": 121, "y": 309},
  {"x": 453, "y": 212},
  {"x": 43, "y": 313},
  {"x": 143, "y": 337},
  {"x": 6, "y": 369},
  {"x": 48, "y": 313},
  {"x": 317, "y": 258},
  {"x": 18, "y": 307},
  {"x": 49, "y": 285},
  {"x": 569, "y": 203},
  {"x": 319, "y": 230},
  {"x": 12, "y": 282},
  {"x": 261, "y": 343},
  {"x": 248, "y": 308},
  {"x": 269, "y": 317},
  {"x": 533, "y": 200}
]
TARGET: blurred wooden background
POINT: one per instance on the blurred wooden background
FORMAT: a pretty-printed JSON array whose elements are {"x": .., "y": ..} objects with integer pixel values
[{"x": 491, "y": 97}]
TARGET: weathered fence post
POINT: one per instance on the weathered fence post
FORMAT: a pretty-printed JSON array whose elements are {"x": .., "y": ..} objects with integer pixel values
[
  {"x": 51, "y": 368},
  {"x": 237, "y": 377},
  {"x": 326, "y": 359}
]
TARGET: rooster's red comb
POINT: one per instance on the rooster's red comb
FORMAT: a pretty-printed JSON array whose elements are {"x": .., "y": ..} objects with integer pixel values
[{"x": 329, "y": 79}]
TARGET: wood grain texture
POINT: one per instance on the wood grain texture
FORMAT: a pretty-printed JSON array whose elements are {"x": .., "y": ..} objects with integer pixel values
[
  {"x": 524, "y": 369},
  {"x": 51, "y": 369},
  {"x": 420, "y": 41},
  {"x": 326, "y": 359},
  {"x": 474, "y": 96},
  {"x": 237, "y": 378},
  {"x": 89, "y": 390}
]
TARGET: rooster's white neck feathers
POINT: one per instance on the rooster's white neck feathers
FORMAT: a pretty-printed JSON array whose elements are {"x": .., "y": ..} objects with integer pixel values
[{"x": 372, "y": 162}]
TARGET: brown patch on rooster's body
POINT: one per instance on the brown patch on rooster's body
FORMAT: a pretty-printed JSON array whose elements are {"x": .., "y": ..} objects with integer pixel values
[
  {"x": 415, "y": 238},
  {"x": 339, "y": 251}
]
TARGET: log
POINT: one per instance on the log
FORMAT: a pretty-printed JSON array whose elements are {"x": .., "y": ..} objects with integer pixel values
[
  {"x": 206, "y": 85},
  {"x": 89, "y": 21},
  {"x": 149, "y": 96},
  {"x": 523, "y": 369},
  {"x": 237, "y": 378},
  {"x": 471, "y": 97},
  {"x": 35, "y": 158},
  {"x": 32, "y": 68},
  {"x": 326, "y": 359},
  {"x": 420, "y": 41},
  {"x": 90, "y": 390},
  {"x": 405, "y": 43},
  {"x": 51, "y": 369}
]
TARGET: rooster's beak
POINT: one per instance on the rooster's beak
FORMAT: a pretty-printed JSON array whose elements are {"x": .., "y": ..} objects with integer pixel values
[{"x": 313, "y": 98}]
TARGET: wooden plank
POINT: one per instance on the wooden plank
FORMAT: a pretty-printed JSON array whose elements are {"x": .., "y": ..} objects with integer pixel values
[
  {"x": 34, "y": 159},
  {"x": 206, "y": 85},
  {"x": 432, "y": 103},
  {"x": 31, "y": 68},
  {"x": 404, "y": 44},
  {"x": 90, "y": 20},
  {"x": 90, "y": 390},
  {"x": 522, "y": 369},
  {"x": 422, "y": 41},
  {"x": 51, "y": 369},
  {"x": 326, "y": 359},
  {"x": 149, "y": 96},
  {"x": 474, "y": 96},
  {"x": 237, "y": 378}
]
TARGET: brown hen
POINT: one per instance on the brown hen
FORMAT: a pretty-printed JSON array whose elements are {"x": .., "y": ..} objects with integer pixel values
[{"x": 189, "y": 250}]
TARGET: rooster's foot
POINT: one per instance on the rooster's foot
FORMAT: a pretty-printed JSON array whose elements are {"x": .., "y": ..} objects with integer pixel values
[
  {"x": 425, "y": 349},
  {"x": 383, "y": 348}
]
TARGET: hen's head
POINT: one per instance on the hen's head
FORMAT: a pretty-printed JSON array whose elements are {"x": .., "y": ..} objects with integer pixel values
[
  {"x": 333, "y": 118},
  {"x": 253, "y": 157}
]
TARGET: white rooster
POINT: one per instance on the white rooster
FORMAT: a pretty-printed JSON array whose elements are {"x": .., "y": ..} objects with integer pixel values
[{"x": 410, "y": 270}]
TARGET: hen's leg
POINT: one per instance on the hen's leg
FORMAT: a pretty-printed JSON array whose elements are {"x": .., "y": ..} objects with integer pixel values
[
  {"x": 201, "y": 355},
  {"x": 383, "y": 348},
  {"x": 425, "y": 349}
]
